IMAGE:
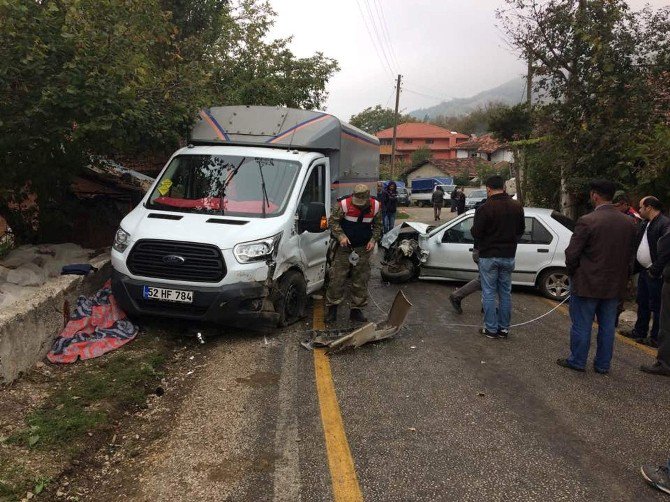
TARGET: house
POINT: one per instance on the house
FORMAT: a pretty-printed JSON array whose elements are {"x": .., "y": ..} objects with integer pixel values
[
  {"x": 449, "y": 167},
  {"x": 412, "y": 136},
  {"x": 485, "y": 147}
]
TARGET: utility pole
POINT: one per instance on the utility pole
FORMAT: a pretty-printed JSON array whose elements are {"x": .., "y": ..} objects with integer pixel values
[
  {"x": 395, "y": 125},
  {"x": 522, "y": 163},
  {"x": 529, "y": 83}
]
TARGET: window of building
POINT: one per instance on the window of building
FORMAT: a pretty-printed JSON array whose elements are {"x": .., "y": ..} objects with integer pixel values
[
  {"x": 407, "y": 141},
  {"x": 430, "y": 141}
]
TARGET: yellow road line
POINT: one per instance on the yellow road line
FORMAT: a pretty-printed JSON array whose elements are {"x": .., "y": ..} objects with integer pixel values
[
  {"x": 340, "y": 461},
  {"x": 628, "y": 341}
]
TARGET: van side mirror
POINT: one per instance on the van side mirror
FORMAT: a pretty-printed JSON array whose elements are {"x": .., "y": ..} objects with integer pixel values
[{"x": 311, "y": 217}]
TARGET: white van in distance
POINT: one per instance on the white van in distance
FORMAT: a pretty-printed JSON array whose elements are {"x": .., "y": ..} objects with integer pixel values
[{"x": 234, "y": 229}]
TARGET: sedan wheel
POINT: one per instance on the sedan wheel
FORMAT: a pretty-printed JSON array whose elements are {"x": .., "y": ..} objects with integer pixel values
[{"x": 554, "y": 284}]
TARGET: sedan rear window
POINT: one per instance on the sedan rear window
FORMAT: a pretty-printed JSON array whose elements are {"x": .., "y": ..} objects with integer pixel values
[{"x": 563, "y": 220}]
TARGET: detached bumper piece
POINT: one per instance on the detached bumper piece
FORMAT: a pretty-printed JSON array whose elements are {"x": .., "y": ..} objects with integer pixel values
[
  {"x": 370, "y": 332},
  {"x": 240, "y": 304}
]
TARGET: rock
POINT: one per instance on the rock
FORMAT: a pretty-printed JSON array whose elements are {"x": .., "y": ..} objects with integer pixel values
[{"x": 27, "y": 274}]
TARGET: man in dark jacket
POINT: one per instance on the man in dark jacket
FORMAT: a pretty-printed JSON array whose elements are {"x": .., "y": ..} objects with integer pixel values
[
  {"x": 598, "y": 259},
  {"x": 648, "y": 288},
  {"x": 498, "y": 226},
  {"x": 660, "y": 267},
  {"x": 389, "y": 200}
]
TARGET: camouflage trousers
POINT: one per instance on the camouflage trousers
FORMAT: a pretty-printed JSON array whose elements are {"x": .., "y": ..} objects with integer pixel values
[{"x": 360, "y": 275}]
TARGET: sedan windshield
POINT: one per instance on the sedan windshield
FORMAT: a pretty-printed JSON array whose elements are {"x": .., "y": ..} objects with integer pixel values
[
  {"x": 477, "y": 194},
  {"x": 223, "y": 184}
]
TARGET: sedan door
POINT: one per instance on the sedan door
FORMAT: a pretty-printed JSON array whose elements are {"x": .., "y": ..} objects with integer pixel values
[
  {"x": 450, "y": 251},
  {"x": 535, "y": 251}
]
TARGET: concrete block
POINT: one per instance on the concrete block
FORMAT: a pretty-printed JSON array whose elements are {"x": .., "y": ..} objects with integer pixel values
[{"x": 29, "y": 326}]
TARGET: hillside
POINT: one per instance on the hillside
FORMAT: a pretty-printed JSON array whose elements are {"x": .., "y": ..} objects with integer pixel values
[{"x": 509, "y": 93}]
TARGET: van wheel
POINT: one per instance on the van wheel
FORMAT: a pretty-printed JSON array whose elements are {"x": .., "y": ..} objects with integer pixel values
[
  {"x": 554, "y": 284},
  {"x": 291, "y": 298}
]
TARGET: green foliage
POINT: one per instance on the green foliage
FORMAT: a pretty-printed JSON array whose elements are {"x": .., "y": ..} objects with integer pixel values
[
  {"x": 420, "y": 155},
  {"x": 485, "y": 169},
  {"x": 84, "y": 403},
  {"x": 125, "y": 76},
  {"x": 598, "y": 68},
  {"x": 373, "y": 120},
  {"x": 251, "y": 70},
  {"x": 475, "y": 122},
  {"x": 511, "y": 123}
]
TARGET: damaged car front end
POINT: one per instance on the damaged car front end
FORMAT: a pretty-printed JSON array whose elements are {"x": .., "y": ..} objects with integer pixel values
[{"x": 403, "y": 254}]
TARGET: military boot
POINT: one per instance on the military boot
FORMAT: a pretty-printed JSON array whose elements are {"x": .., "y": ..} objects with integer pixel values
[
  {"x": 331, "y": 314},
  {"x": 357, "y": 315}
]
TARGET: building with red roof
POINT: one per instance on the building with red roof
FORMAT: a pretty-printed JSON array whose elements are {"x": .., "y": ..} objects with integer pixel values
[{"x": 412, "y": 136}]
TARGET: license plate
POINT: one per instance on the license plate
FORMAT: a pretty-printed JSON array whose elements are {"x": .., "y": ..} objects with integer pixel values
[{"x": 167, "y": 295}]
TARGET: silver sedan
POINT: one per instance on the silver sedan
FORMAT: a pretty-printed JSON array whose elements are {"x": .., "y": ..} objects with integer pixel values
[{"x": 540, "y": 255}]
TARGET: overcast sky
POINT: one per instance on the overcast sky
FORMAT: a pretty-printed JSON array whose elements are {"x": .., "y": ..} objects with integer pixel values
[{"x": 443, "y": 48}]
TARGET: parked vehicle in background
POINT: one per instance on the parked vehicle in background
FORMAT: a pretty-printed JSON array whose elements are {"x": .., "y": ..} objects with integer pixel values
[
  {"x": 403, "y": 196},
  {"x": 422, "y": 189},
  {"x": 473, "y": 199},
  {"x": 235, "y": 228},
  {"x": 445, "y": 252}
]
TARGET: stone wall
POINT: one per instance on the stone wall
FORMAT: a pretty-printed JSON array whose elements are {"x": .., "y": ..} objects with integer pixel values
[{"x": 29, "y": 327}]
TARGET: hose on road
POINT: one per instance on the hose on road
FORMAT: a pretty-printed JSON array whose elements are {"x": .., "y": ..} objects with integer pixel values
[{"x": 477, "y": 325}]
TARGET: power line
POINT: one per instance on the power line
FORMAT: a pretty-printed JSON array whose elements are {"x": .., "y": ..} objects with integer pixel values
[
  {"x": 426, "y": 89},
  {"x": 385, "y": 31},
  {"x": 380, "y": 40},
  {"x": 425, "y": 95},
  {"x": 365, "y": 22}
]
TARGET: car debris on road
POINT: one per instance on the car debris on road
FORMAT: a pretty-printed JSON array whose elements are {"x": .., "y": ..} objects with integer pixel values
[{"x": 337, "y": 340}]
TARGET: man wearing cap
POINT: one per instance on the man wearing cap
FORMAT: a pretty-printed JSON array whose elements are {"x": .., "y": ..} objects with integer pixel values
[{"x": 356, "y": 224}]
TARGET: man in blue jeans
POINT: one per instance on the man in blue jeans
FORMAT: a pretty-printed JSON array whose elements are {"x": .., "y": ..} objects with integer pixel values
[
  {"x": 649, "y": 281},
  {"x": 599, "y": 259},
  {"x": 498, "y": 226}
]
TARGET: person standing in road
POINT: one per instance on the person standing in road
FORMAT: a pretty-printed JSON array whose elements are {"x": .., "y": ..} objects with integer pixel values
[
  {"x": 497, "y": 227},
  {"x": 356, "y": 225},
  {"x": 438, "y": 201},
  {"x": 389, "y": 200},
  {"x": 460, "y": 203},
  {"x": 598, "y": 260},
  {"x": 648, "y": 288},
  {"x": 661, "y": 266},
  {"x": 455, "y": 194}
]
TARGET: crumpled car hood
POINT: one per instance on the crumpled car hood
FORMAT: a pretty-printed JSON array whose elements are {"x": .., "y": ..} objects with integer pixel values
[{"x": 391, "y": 236}]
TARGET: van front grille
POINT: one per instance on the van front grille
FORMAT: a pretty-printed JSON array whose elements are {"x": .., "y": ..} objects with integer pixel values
[{"x": 184, "y": 261}]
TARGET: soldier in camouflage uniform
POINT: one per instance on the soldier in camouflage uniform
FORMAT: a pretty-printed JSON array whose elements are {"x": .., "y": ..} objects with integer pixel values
[{"x": 356, "y": 224}]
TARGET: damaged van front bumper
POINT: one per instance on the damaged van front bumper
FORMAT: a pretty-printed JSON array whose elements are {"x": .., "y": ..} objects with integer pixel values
[{"x": 240, "y": 304}]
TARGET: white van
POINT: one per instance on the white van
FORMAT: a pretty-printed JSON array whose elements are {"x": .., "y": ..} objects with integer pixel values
[{"x": 234, "y": 229}]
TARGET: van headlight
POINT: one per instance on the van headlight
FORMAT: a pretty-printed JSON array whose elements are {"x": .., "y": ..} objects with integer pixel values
[
  {"x": 121, "y": 240},
  {"x": 260, "y": 250}
]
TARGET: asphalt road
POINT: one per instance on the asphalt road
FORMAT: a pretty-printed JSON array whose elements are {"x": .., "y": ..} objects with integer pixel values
[{"x": 436, "y": 413}]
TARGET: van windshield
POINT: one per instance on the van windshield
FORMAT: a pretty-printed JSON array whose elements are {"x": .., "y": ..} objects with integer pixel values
[{"x": 224, "y": 184}]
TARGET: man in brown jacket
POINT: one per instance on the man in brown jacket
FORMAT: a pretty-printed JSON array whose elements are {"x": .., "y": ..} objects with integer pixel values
[{"x": 598, "y": 259}]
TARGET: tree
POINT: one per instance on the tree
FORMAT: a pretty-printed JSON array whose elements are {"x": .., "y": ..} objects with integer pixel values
[
  {"x": 513, "y": 125},
  {"x": 475, "y": 122},
  {"x": 373, "y": 120},
  {"x": 82, "y": 77},
  {"x": 420, "y": 155},
  {"x": 593, "y": 62},
  {"x": 251, "y": 70}
]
